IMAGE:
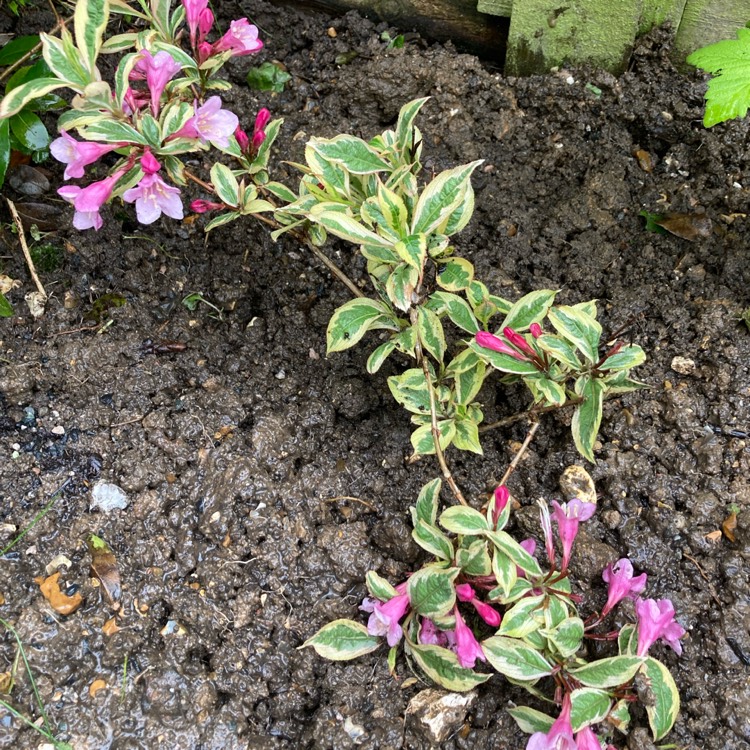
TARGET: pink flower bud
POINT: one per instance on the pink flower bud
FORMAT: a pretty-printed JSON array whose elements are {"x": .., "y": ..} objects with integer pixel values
[
  {"x": 487, "y": 612},
  {"x": 536, "y": 330},
  {"x": 201, "y": 206},
  {"x": 261, "y": 120},
  {"x": 205, "y": 22},
  {"x": 464, "y": 592},
  {"x": 149, "y": 164},
  {"x": 258, "y": 139},
  {"x": 502, "y": 495},
  {"x": 242, "y": 140},
  {"x": 490, "y": 341},
  {"x": 518, "y": 340}
]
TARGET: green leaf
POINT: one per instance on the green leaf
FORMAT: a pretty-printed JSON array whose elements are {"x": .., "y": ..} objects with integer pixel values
[
  {"x": 376, "y": 359},
  {"x": 431, "y": 591},
  {"x": 462, "y": 520},
  {"x": 461, "y": 214},
  {"x": 551, "y": 392},
  {"x": 90, "y": 20},
  {"x": 20, "y": 96},
  {"x": 728, "y": 94},
  {"x": 505, "y": 572},
  {"x": 588, "y": 415},
  {"x": 401, "y": 284},
  {"x": 225, "y": 184},
  {"x": 6, "y": 311},
  {"x": 111, "y": 131},
  {"x": 433, "y": 540},
  {"x": 610, "y": 672},
  {"x": 589, "y": 706},
  {"x": 352, "y": 320},
  {"x": 619, "y": 716},
  {"x": 507, "y": 544},
  {"x": 341, "y": 640},
  {"x": 467, "y": 436},
  {"x": 441, "y": 196},
  {"x": 530, "y": 720},
  {"x": 30, "y": 132},
  {"x": 455, "y": 274},
  {"x": 14, "y": 50},
  {"x": 474, "y": 560},
  {"x": 268, "y": 77},
  {"x": 442, "y": 667},
  {"x": 666, "y": 706},
  {"x": 504, "y": 362},
  {"x": 64, "y": 60},
  {"x": 469, "y": 382},
  {"x": 523, "y": 618},
  {"x": 567, "y": 636},
  {"x": 394, "y": 210},
  {"x": 532, "y": 308},
  {"x": 627, "y": 640},
  {"x": 559, "y": 349},
  {"x": 515, "y": 660},
  {"x": 413, "y": 250},
  {"x": 426, "y": 507},
  {"x": 347, "y": 228},
  {"x": 151, "y": 131},
  {"x": 222, "y": 219},
  {"x": 580, "y": 329},
  {"x": 627, "y": 357},
  {"x": 4, "y": 151},
  {"x": 456, "y": 308},
  {"x": 423, "y": 441},
  {"x": 352, "y": 153},
  {"x": 405, "y": 124},
  {"x": 430, "y": 332},
  {"x": 410, "y": 389},
  {"x": 379, "y": 588}
]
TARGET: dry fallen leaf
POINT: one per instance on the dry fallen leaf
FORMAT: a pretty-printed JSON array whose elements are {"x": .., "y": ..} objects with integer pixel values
[
  {"x": 36, "y": 302},
  {"x": 110, "y": 627},
  {"x": 687, "y": 226},
  {"x": 730, "y": 526},
  {"x": 714, "y": 536},
  {"x": 6, "y": 683},
  {"x": 59, "y": 601},
  {"x": 104, "y": 568},
  {"x": 645, "y": 160},
  {"x": 96, "y": 686},
  {"x": 7, "y": 284}
]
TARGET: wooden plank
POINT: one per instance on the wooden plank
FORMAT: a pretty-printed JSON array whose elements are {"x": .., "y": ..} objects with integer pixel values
[
  {"x": 657, "y": 12},
  {"x": 496, "y": 7},
  {"x": 455, "y": 20},
  {"x": 548, "y": 33},
  {"x": 707, "y": 21}
]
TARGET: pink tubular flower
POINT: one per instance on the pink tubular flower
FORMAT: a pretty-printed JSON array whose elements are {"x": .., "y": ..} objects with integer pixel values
[
  {"x": 158, "y": 70},
  {"x": 530, "y": 546},
  {"x": 621, "y": 583},
  {"x": 560, "y": 735},
  {"x": 89, "y": 200},
  {"x": 429, "y": 635},
  {"x": 210, "y": 123},
  {"x": 518, "y": 340},
  {"x": 242, "y": 140},
  {"x": 77, "y": 154},
  {"x": 655, "y": 621},
  {"x": 153, "y": 197},
  {"x": 386, "y": 616},
  {"x": 201, "y": 206},
  {"x": 241, "y": 39},
  {"x": 549, "y": 540},
  {"x": 502, "y": 495},
  {"x": 149, "y": 164},
  {"x": 535, "y": 330},
  {"x": 489, "y": 614},
  {"x": 568, "y": 516},
  {"x": 586, "y": 740},
  {"x": 193, "y": 10},
  {"x": 490, "y": 341},
  {"x": 468, "y": 648}
]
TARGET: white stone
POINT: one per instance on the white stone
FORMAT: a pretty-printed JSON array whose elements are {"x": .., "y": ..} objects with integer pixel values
[{"x": 107, "y": 497}]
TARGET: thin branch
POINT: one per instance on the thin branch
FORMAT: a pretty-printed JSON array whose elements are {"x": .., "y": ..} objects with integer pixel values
[
  {"x": 25, "y": 248},
  {"x": 521, "y": 451},
  {"x": 530, "y": 414}
]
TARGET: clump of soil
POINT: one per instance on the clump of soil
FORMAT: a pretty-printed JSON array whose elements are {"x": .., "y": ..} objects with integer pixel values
[{"x": 238, "y": 453}]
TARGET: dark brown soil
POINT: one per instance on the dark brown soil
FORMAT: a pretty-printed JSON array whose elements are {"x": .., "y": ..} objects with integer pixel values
[{"x": 235, "y": 453}]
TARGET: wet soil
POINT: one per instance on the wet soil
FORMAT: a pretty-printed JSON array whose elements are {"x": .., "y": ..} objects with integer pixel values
[{"x": 238, "y": 454}]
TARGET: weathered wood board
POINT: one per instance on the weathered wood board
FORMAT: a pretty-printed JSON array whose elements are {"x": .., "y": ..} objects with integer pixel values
[{"x": 706, "y": 21}]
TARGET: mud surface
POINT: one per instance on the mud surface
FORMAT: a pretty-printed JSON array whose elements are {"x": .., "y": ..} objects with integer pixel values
[{"x": 237, "y": 454}]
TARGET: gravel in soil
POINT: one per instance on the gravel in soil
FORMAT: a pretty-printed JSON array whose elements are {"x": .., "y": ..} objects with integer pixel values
[{"x": 234, "y": 455}]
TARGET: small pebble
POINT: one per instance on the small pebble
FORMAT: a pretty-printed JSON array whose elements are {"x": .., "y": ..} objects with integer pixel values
[
  {"x": 58, "y": 430},
  {"x": 683, "y": 365},
  {"x": 107, "y": 497},
  {"x": 577, "y": 482}
]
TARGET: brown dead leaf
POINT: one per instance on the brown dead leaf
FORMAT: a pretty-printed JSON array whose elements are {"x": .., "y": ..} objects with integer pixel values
[
  {"x": 645, "y": 160},
  {"x": 714, "y": 536},
  {"x": 104, "y": 569},
  {"x": 110, "y": 627},
  {"x": 6, "y": 682},
  {"x": 96, "y": 686},
  {"x": 7, "y": 284},
  {"x": 59, "y": 601},
  {"x": 730, "y": 526},
  {"x": 687, "y": 226}
]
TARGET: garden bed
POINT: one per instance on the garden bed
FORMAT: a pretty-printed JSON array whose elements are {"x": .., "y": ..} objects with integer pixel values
[{"x": 264, "y": 480}]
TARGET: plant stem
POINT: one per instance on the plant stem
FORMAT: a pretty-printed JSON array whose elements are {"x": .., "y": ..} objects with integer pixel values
[
  {"x": 521, "y": 451},
  {"x": 25, "y": 248},
  {"x": 530, "y": 414}
]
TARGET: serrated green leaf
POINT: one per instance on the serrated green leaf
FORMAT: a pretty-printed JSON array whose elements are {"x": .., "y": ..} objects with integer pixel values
[
  {"x": 455, "y": 274},
  {"x": 468, "y": 383},
  {"x": 530, "y": 720},
  {"x": 610, "y": 672},
  {"x": 379, "y": 588},
  {"x": 523, "y": 618},
  {"x": 422, "y": 439},
  {"x": 461, "y": 215},
  {"x": 579, "y": 328},
  {"x": 347, "y": 228},
  {"x": 619, "y": 716},
  {"x": 430, "y": 332},
  {"x": 268, "y": 77},
  {"x": 342, "y": 640},
  {"x": 728, "y": 94},
  {"x": 547, "y": 390},
  {"x": 462, "y": 520},
  {"x": 467, "y": 436},
  {"x": 64, "y": 61},
  {"x": 587, "y": 415},
  {"x": 431, "y": 591},
  {"x": 413, "y": 250},
  {"x": 442, "y": 667},
  {"x": 589, "y": 706},
  {"x": 663, "y": 713},
  {"x": 426, "y": 507},
  {"x": 508, "y": 545},
  {"x": 515, "y": 660},
  {"x": 352, "y": 320},
  {"x": 559, "y": 349},
  {"x": 531, "y": 308},
  {"x": 433, "y": 540},
  {"x": 441, "y": 197}
]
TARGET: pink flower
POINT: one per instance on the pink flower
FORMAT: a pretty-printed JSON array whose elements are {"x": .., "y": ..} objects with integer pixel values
[
  {"x": 77, "y": 154},
  {"x": 242, "y": 140},
  {"x": 153, "y": 197},
  {"x": 489, "y": 614},
  {"x": 468, "y": 648},
  {"x": 89, "y": 200},
  {"x": 385, "y": 616},
  {"x": 241, "y": 39},
  {"x": 210, "y": 123},
  {"x": 530, "y": 546},
  {"x": 560, "y": 735},
  {"x": 193, "y": 10},
  {"x": 429, "y": 635},
  {"x": 261, "y": 120},
  {"x": 586, "y": 740},
  {"x": 201, "y": 206},
  {"x": 568, "y": 516},
  {"x": 549, "y": 540},
  {"x": 502, "y": 495},
  {"x": 205, "y": 22},
  {"x": 205, "y": 50},
  {"x": 149, "y": 164},
  {"x": 158, "y": 70},
  {"x": 655, "y": 621},
  {"x": 535, "y": 330},
  {"x": 518, "y": 340},
  {"x": 621, "y": 583},
  {"x": 490, "y": 341}
]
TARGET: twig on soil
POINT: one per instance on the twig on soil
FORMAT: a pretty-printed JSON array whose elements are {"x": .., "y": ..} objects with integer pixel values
[
  {"x": 521, "y": 451},
  {"x": 25, "y": 248},
  {"x": 705, "y": 578},
  {"x": 530, "y": 414},
  {"x": 349, "y": 497},
  {"x": 32, "y": 51},
  {"x": 129, "y": 421}
]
